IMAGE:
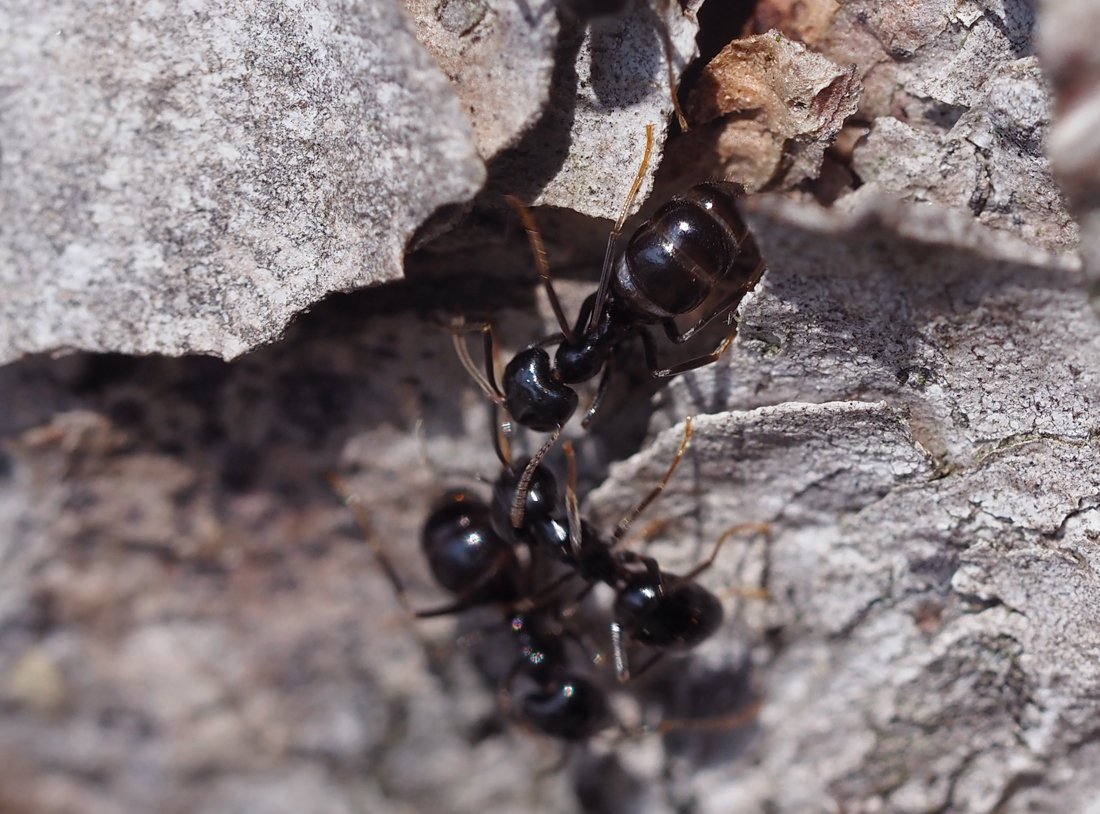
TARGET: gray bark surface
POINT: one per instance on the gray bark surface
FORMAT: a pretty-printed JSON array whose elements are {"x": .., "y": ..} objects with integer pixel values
[{"x": 901, "y": 440}]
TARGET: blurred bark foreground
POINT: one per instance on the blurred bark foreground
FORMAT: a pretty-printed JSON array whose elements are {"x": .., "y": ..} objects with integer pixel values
[{"x": 189, "y": 620}]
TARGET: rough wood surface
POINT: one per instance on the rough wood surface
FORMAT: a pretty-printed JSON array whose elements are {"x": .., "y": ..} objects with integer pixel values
[{"x": 190, "y": 620}]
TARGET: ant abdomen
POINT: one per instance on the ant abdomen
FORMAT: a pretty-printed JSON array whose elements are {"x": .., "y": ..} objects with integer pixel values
[
  {"x": 561, "y": 703},
  {"x": 669, "y": 613},
  {"x": 465, "y": 555},
  {"x": 571, "y": 708},
  {"x": 674, "y": 260}
]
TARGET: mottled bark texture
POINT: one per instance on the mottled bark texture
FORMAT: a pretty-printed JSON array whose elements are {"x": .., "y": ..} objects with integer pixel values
[{"x": 903, "y": 436}]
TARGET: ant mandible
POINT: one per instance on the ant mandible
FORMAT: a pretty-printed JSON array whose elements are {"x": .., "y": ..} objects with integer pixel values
[{"x": 671, "y": 266}]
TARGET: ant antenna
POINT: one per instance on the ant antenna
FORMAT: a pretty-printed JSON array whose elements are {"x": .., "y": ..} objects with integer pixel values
[
  {"x": 519, "y": 502},
  {"x": 412, "y": 402},
  {"x": 609, "y": 254},
  {"x": 632, "y": 515},
  {"x": 670, "y": 55},
  {"x": 543, "y": 266},
  {"x": 362, "y": 517},
  {"x": 752, "y": 528},
  {"x": 571, "y": 504}
]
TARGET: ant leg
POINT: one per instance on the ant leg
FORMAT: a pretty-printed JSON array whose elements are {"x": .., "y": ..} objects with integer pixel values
[
  {"x": 355, "y": 503},
  {"x": 720, "y": 723},
  {"x": 670, "y": 55},
  {"x": 618, "y": 654},
  {"x": 542, "y": 264},
  {"x": 412, "y": 404},
  {"x": 655, "y": 659},
  {"x": 545, "y": 596},
  {"x": 447, "y": 610},
  {"x": 623, "y": 673},
  {"x": 519, "y": 502},
  {"x": 601, "y": 390},
  {"x": 546, "y": 341},
  {"x": 585, "y": 314},
  {"x": 683, "y": 367},
  {"x": 469, "y": 598},
  {"x": 632, "y": 515},
  {"x": 653, "y": 569},
  {"x": 487, "y": 381},
  {"x": 652, "y": 530},
  {"x": 572, "y": 506},
  {"x": 679, "y": 337},
  {"x": 577, "y": 601},
  {"x": 755, "y": 528},
  {"x": 609, "y": 254}
]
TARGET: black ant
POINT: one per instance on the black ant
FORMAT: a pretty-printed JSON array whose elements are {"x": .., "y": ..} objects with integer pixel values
[
  {"x": 666, "y": 612},
  {"x": 472, "y": 552},
  {"x": 472, "y": 562},
  {"x": 671, "y": 266}
]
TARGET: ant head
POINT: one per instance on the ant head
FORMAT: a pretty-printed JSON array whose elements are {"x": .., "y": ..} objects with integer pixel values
[
  {"x": 667, "y": 612},
  {"x": 533, "y": 395}
]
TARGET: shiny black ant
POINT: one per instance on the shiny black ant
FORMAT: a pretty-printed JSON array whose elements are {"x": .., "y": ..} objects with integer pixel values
[
  {"x": 663, "y": 611},
  {"x": 473, "y": 552},
  {"x": 469, "y": 560},
  {"x": 671, "y": 266}
]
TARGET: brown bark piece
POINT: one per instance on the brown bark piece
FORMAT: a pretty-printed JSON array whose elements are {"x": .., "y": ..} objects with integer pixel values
[{"x": 764, "y": 110}]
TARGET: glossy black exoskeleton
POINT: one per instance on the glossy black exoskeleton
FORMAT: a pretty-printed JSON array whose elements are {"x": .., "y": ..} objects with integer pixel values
[
  {"x": 663, "y": 611},
  {"x": 466, "y": 556},
  {"x": 479, "y": 567},
  {"x": 667, "y": 612},
  {"x": 559, "y": 702},
  {"x": 546, "y": 525},
  {"x": 671, "y": 266}
]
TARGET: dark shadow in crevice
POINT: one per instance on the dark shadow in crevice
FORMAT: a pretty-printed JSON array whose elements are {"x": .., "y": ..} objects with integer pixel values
[
  {"x": 525, "y": 168},
  {"x": 711, "y": 711},
  {"x": 604, "y": 786}
]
